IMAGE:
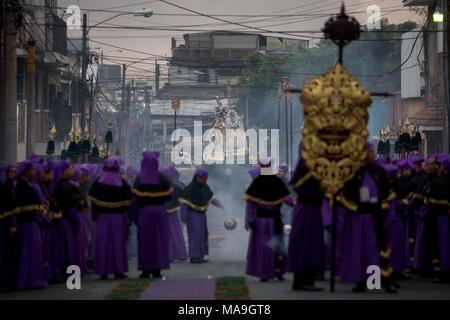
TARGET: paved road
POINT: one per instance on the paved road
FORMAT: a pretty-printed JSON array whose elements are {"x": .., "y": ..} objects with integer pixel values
[
  {"x": 93, "y": 288},
  {"x": 227, "y": 258}
]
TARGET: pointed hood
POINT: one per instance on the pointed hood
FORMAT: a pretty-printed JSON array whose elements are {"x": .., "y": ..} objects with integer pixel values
[
  {"x": 149, "y": 168},
  {"x": 111, "y": 172}
]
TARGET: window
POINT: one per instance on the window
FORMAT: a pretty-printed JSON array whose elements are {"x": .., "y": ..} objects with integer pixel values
[{"x": 203, "y": 76}]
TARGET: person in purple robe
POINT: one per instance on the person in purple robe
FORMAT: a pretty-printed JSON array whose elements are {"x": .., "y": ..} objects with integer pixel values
[
  {"x": 286, "y": 212},
  {"x": 442, "y": 207},
  {"x": 393, "y": 223},
  {"x": 85, "y": 183},
  {"x": 131, "y": 174},
  {"x": 45, "y": 177},
  {"x": 6, "y": 210},
  {"x": 175, "y": 174},
  {"x": 80, "y": 179},
  {"x": 110, "y": 198},
  {"x": 28, "y": 263},
  {"x": 178, "y": 250},
  {"x": 417, "y": 182},
  {"x": 66, "y": 225},
  {"x": 306, "y": 251},
  {"x": 254, "y": 173},
  {"x": 194, "y": 202},
  {"x": 123, "y": 174},
  {"x": 431, "y": 226},
  {"x": 423, "y": 263},
  {"x": 132, "y": 251},
  {"x": 400, "y": 227},
  {"x": 150, "y": 191},
  {"x": 94, "y": 174},
  {"x": 266, "y": 255},
  {"x": 365, "y": 241},
  {"x": 383, "y": 160}
]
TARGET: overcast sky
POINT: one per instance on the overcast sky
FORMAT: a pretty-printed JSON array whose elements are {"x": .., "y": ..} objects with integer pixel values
[{"x": 158, "y": 41}]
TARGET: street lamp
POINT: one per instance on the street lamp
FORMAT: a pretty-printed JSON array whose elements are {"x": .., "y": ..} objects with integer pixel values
[
  {"x": 145, "y": 12},
  {"x": 438, "y": 16}
]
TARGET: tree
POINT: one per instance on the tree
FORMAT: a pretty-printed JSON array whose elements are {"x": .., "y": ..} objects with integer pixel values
[{"x": 370, "y": 60}]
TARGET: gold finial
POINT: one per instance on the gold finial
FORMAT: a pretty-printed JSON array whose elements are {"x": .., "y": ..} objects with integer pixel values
[
  {"x": 388, "y": 130},
  {"x": 72, "y": 134},
  {"x": 78, "y": 136},
  {"x": 101, "y": 151},
  {"x": 52, "y": 134},
  {"x": 95, "y": 140},
  {"x": 407, "y": 123},
  {"x": 285, "y": 82},
  {"x": 400, "y": 127},
  {"x": 86, "y": 133},
  {"x": 110, "y": 124}
]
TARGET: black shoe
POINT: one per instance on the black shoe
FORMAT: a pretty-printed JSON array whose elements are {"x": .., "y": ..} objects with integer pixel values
[
  {"x": 195, "y": 260},
  {"x": 104, "y": 277},
  {"x": 145, "y": 275},
  {"x": 388, "y": 285},
  {"x": 402, "y": 277},
  {"x": 156, "y": 274},
  {"x": 264, "y": 280},
  {"x": 120, "y": 276},
  {"x": 360, "y": 287},
  {"x": 56, "y": 281},
  {"x": 307, "y": 288},
  {"x": 389, "y": 289}
]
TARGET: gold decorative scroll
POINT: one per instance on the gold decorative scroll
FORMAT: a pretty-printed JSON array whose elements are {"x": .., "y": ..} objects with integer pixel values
[{"x": 334, "y": 132}]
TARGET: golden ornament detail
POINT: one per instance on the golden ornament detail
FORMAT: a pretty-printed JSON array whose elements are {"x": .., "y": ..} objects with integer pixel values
[
  {"x": 109, "y": 125},
  {"x": 52, "y": 134},
  {"x": 334, "y": 133}
]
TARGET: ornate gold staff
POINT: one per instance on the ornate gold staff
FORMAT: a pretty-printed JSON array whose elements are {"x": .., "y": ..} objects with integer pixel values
[{"x": 335, "y": 120}]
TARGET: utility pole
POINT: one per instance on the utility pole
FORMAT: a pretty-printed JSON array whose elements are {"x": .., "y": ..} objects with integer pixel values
[
  {"x": 148, "y": 117},
  {"x": 3, "y": 77},
  {"x": 285, "y": 85},
  {"x": 156, "y": 78},
  {"x": 29, "y": 97},
  {"x": 122, "y": 111},
  {"x": 291, "y": 130},
  {"x": 84, "y": 64},
  {"x": 127, "y": 127},
  {"x": 446, "y": 40},
  {"x": 10, "y": 85},
  {"x": 91, "y": 102}
]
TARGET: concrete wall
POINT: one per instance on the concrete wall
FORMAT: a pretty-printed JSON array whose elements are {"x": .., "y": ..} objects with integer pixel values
[
  {"x": 235, "y": 41},
  {"x": 411, "y": 80}
]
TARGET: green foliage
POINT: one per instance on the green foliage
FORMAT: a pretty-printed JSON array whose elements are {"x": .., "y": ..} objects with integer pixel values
[{"x": 378, "y": 54}]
